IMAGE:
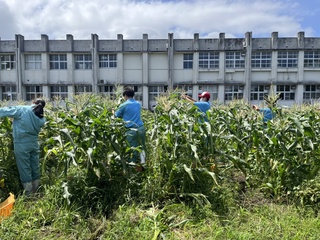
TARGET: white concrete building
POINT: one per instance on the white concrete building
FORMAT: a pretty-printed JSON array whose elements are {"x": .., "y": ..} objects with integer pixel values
[{"x": 229, "y": 69}]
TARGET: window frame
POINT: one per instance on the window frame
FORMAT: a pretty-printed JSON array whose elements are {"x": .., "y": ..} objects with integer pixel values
[
  {"x": 156, "y": 91},
  {"x": 261, "y": 91},
  {"x": 9, "y": 92},
  {"x": 33, "y": 62},
  {"x": 208, "y": 60},
  {"x": 33, "y": 92},
  {"x": 60, "y": 63},
  {"x": 287, "y": 93},
  {"x": 287, "y": 59},
  {"x": 233, "y": 93},
  {"x": 83, "y": 61},
  {"x": 234, "y": 60},
  {"x": 58, "y": 91},
  {"x": 261, "y": 59},
  {"x": 110, "y": 60},
  {"x": 188, "y": 61},
  {"x": 313, "y": 92},
  {"x": 82, "y": 89},
  {"x": 7, "y": 62},
  {"x": 311, "y": 59}
]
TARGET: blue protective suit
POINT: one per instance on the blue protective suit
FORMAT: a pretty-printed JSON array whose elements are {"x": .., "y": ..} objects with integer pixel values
[
  {"x": 26, "y": 127},
  {"x": 203, "y": 108},
  {"x": 267, "y": 114},
  {"x": 130, "y": 112}
]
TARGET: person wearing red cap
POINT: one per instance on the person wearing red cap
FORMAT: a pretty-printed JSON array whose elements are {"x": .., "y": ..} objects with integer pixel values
[{"x": 203, "y": 104}]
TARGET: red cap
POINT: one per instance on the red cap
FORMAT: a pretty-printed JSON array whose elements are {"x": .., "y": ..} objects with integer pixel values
[{"x": 204, "y": 94}]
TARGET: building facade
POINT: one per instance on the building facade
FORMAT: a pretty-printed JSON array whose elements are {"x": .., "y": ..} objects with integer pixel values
[{"x": 229, "y": 68}]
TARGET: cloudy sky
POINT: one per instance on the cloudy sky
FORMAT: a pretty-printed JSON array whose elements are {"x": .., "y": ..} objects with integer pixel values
[{"x": 157, "y": 18}]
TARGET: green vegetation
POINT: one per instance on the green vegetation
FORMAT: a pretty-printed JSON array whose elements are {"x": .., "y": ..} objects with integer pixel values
[{"x": 233, "y": 177}]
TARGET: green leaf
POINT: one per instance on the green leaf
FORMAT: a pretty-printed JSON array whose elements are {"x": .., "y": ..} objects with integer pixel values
[{"x": 189, "y": 171}]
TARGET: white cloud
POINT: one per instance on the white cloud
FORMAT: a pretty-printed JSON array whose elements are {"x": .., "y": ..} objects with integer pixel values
[{"x": 132, "y": 18}]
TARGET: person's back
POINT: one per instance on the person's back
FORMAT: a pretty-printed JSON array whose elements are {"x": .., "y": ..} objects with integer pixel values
[
  {"x": 266, "y": 112},
  {"x": 26, "y": 125},
  {"x": 130, "y": 112},
  {"x": 203, "y": 105}
]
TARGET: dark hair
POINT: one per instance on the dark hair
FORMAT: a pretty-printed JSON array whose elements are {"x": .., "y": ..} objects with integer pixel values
[
  {"x": 38, "y": 108},
  {"x": 128, "y": 91}
]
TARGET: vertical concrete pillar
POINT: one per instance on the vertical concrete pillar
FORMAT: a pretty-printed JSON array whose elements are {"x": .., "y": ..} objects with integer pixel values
[
  {"x": 299, "y": 89},
  {"x": 70, "y": 60},
  {"x": 120, "y": 59},
  {"x": 95, "y": 62},
  {"x": 195, "y": 70},
  {"x": 247, "y": 49},
  {"x": 170, "y": 61},
  {"x": 222, "y": 67},
  {"x": 46, "y": 91},
  {"x": 145, "y": 71},
  {"x": 19, "y": 68},
  {"x": 274, "y": 62},
  {"x": 45, "y": 61}
]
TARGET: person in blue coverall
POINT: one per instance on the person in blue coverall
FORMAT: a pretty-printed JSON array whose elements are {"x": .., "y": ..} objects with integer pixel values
[
  {"x": 130, "y": 112},
  {"x": 27, "y": 123},
  {"x": 203, "y": 104},
  {"x": 266, "y": 112}
]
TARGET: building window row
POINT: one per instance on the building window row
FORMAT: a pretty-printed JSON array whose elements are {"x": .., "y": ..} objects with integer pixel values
[
  {"x": 207, "y": 60},
  {"x": 232, "y": 92},
  {"x": 259, "y": 59}
]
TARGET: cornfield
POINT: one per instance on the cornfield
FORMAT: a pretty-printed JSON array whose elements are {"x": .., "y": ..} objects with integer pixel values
[{"x": 84, "y": 151}]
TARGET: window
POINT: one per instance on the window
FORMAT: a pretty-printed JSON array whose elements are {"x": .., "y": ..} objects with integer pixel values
[
  {"x": 156, "y": 91},
  {"x": 234, "y": 60},
  {"x": 33, "y": 92},
  {"x": 83, "y": 89},
  {"x": 312, "y": 59},
  {"x": 108, "y": 61},
  {"x": 233, "y": 92},
  {"x": 261, "y": 59},
  {"x": 58, "y": 61},
  {"x": 311, "y": 92},
  {"x": 9, "y": 93},
  {"x": 208, "y": 60},
  {"x": 212, "y": 89},
  {"x": 83, "y": 61},
  {"x": 287, "y": 59},
  {"x": 287, "y": 92},
  {"x": 258, "y": 92},
  {"x": 7, "y": 62},
  {"x": 137, "y": 92},
  {"x": 187, "y": 89},
  {"x": 33, "y": 61},
  {"x": 107, "y": 90},
  {"x": 188, "y": 61},
  {"x": 60, "y": 92}
]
